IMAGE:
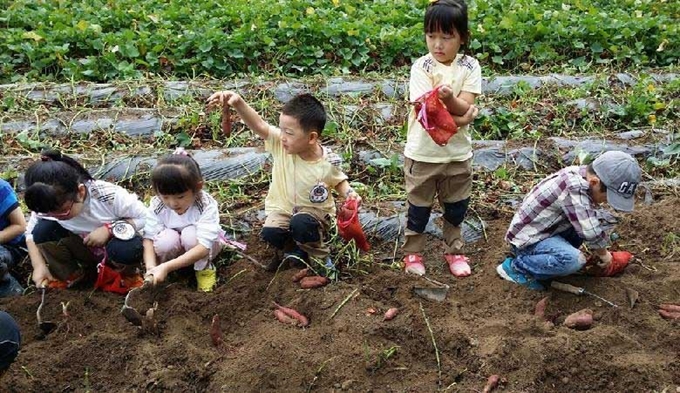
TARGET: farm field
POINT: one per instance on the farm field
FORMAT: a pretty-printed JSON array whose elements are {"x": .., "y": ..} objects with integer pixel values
[{"x": 119, "y": 84}]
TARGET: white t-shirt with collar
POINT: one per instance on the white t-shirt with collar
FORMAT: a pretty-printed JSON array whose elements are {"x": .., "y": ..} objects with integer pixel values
[
  {"x": 203, "y": 214},
  {"x": 294, "y": 179},
  {"x": 464, "y": 74},
  {"x": 104, "y": 203}
]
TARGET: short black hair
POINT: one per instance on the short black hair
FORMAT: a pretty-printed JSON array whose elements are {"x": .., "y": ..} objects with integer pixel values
[
  {"x": 448, "y": 16},
  {"x": 308, "y": 111},
  {"x": 53, "y": 181}
]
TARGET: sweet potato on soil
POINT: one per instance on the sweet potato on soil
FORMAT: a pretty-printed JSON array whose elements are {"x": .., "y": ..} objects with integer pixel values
[
  {"x": 669, "y": 311},
  {"x": 314, "y": 282},
  {"x": 390, "y": 314},
  {"x": 580, "y": 320},
  {"x": 216, "y": 331},
  {"x": 282, "y": 317},
  {"x": 539, "y": 311},
  {"x": 491, "y": 383},
  {"x": 301, "y": 319},
  {"x": 300, "y": 275},
  {"x": 670, "y": 307}
]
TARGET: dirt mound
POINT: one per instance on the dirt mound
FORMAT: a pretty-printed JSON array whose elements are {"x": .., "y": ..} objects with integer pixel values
[{"x": 486, "y": 326}]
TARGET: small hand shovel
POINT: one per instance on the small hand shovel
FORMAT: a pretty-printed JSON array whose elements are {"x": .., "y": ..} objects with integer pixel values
[
  {"x": 129, "y": 312},
  {"x": 46, "y": 327},
  {"x": 578, "y": 291},
  {"x": 437, "y": 294}
]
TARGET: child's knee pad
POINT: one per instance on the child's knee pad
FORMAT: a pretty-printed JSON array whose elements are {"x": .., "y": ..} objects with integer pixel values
[
  {"x": 125, "y": 252},
  {"x": 275, "y": 236},
  {"x": 418, "y": 216},
  {"x": 305, "y": 228},
  {"x": 48, "y": 231},
  {"x": 454, "y": 212}
]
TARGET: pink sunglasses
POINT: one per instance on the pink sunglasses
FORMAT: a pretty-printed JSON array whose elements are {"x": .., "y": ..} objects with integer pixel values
[{"x": 59, "y": 215}]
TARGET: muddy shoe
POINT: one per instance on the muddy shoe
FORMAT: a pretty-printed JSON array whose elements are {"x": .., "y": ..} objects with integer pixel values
[
  {"x": 507, "y": 272},
  {"x": 206, "y": 279},
  {"x": 9, "y": 286},
  {"x": 295, "y": 258},
  {"x": 274, "y": 263},
  {"x": 413, "y": 264}
]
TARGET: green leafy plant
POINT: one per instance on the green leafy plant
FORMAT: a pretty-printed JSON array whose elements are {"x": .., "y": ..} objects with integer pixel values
[{"x": 100, "y": 40}]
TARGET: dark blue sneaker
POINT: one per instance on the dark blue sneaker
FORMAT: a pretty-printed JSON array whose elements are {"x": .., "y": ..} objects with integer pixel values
[
  {"x": 506, "y": 271},
  {"x": 296, "y": 258},
  {"x": 9, "y": 286}
]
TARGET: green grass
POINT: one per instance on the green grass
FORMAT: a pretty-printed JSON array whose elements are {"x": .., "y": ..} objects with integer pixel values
[{"x": 104, "y": 40}]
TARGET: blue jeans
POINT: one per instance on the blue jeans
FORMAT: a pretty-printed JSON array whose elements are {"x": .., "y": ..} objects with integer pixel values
[
  {"x": 555, "y": 256},
  {"x": 10, "y": 256}
]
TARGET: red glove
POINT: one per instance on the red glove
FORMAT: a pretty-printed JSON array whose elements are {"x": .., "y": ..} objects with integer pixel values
[
  {"x": 349, "y": 226},
  {"x": 620, "y": 259}
]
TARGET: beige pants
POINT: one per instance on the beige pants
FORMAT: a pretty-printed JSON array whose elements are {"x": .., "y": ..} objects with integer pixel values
[
  {"x": 317, "y": 249},
  {"x": 450, "y": 182}
]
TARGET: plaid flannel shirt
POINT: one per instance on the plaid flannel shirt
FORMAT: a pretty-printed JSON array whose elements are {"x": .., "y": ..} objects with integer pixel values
[{"x": 560, "y": 201}]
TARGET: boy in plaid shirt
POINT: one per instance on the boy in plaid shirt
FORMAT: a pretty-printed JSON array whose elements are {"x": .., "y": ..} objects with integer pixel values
[{"x": 559, "y": 215}]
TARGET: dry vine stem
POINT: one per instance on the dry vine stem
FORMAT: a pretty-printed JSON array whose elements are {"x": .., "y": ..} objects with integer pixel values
[
  {"x": 436, "y": 350},
  {"x": 343, "y": 302}
]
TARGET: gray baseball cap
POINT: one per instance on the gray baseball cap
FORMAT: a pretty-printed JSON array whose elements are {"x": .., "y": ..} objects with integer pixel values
[{"x": 621, "y": 174}]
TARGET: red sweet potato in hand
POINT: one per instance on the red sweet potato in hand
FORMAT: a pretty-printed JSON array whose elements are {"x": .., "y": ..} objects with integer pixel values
[
  {"x": 313, "y": 282},
  {"x": 390, "y": 314},
  {"x": 226, "y": 120},
  {"x": 300, "y": 275},
  {"x": 580, "y": 320},
  {"x": 491, "y": 383},
  {"x": 435, "y": 118},
  {"x": 216, "y": 331},
  {"x": 301, "y": 319}
]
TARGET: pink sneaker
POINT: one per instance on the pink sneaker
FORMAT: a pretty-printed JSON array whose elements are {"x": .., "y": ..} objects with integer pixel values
[
  {"x": 413, "y": 263},
  {"x": 458, "y": 265}
]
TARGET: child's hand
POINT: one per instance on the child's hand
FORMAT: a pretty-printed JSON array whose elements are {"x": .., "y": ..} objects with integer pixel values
[
  {"x": 221, "y": 98},
  {"x": 444, "y": 92},
  {"x": 98, "y": 237},
  {"x": 471, "y": 114},
  {"x": 605, "y": 259},
  {"x": 353, "y": 195},
  {"x": 158, "y": 274},
  {"x": 41, "y": 276}
]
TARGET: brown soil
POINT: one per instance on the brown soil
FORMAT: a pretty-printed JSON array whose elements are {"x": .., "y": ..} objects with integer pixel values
[{"x": 486, "y": 326}]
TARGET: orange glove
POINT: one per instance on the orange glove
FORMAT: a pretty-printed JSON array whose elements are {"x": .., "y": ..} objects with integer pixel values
[{"x": 620, "y": 259}]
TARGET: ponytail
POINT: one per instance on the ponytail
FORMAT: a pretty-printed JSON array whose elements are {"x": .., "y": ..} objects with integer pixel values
[{"x": 53, "y": 181}]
